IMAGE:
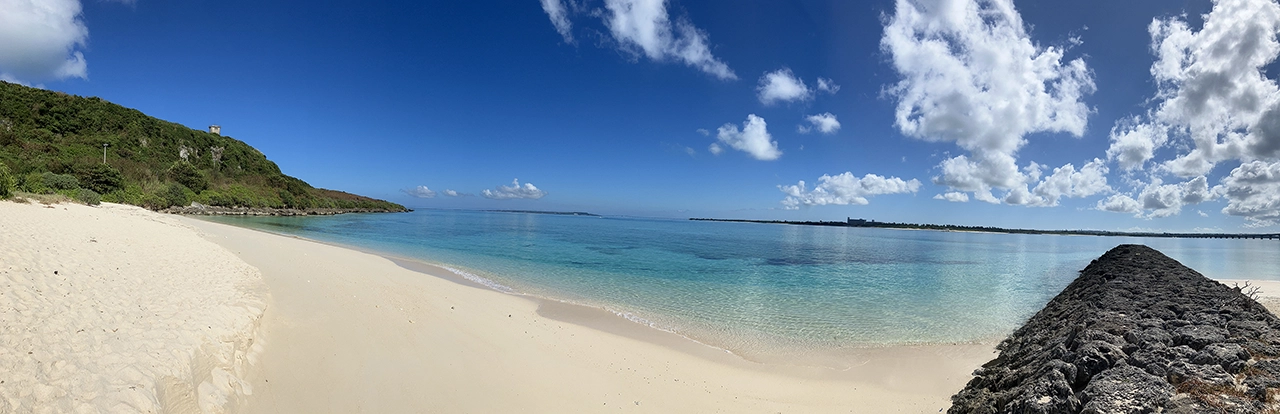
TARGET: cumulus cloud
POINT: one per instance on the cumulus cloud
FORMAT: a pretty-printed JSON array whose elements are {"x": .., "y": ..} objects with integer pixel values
[
  {"x": 559, "y": 18},
  {"x": 42, "y": 40},
  {"x": 844, "y": 189},
  {"x": 1120, "y": 203},
  {"x": 782, "y": 86},
  {"x": 825, "y": 123},
  {"x": 452, "y": 193},
  {"x": 420, "y": 191},
  {"x": 953, "y": 196},
  {"x": 515, "y": 190},
  {"x": 1158, "y": 199},
  {"x": 704, "y": 132},
  {"x": 642, "y": 27},
  {"x": 1253, "y": 192},
  {"x": 971, "y": 75},
  {"x": 753, "y": 139},
  {"x": 1133, "y": 143},
  {"x": 1212, "y": 84},
  {"x": 1065, "y": 181},
  {"x": 1214, "y": 103}
]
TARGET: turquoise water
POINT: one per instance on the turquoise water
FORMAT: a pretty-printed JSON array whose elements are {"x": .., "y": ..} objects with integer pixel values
[{"x": 764, "y": 287}]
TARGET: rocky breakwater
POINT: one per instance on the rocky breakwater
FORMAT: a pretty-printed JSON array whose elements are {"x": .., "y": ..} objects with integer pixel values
[
  {"x": 196, "y": 209},
  {"x": 1136, "y": 332}
]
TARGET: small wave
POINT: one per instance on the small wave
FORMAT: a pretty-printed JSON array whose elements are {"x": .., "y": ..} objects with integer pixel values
[{"x": 483, "y": 281}]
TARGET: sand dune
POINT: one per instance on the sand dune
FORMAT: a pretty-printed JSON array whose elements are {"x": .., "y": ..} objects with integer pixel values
[{"x": 118, "y": 309}]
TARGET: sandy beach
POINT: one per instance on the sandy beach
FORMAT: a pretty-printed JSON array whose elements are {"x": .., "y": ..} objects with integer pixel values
[
  {"x": 118, "y": 309},
  {"x": 157, "y": 313},
  {"x": 348, "y": 331}
]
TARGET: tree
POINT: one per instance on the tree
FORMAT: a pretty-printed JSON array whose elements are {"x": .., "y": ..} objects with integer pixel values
[
  {"x": 102, "y": 179},
  {"x": 186, "y": 174}
]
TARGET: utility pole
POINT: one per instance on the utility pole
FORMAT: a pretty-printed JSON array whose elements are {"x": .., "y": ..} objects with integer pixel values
[{"x": 104, "y": 152}]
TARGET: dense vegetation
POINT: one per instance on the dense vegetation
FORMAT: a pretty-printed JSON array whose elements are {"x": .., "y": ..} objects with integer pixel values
[{"x": 53, "y": 142}]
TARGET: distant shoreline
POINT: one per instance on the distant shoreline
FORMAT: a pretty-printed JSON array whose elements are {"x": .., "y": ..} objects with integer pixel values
[
  {"x": 556, "y": 213},
  {"x": 983, "y": 229}
]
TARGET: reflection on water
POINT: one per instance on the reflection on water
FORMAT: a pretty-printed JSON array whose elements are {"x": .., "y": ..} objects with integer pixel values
[{"x": 746, "y": 286}]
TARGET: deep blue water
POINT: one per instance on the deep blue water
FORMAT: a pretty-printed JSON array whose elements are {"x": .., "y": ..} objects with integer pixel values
[{"x": 760, "y": 287}]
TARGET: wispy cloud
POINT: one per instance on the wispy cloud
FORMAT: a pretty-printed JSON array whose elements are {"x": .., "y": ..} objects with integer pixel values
[
  {"x": 844, "y": 189},
  {"x": 971, "y": 75},
  {"x": 559, "y": 16},
  {"x": 514, "y": 191},
  {"x": 420, "y": 191},
  {"x": 753, "y": 139},
  {"x": 953, "y": 196},
  {"x": 452, "y": 193},
  {"x": 42, "y": 40},
  {"x": 644, "y": 28}
]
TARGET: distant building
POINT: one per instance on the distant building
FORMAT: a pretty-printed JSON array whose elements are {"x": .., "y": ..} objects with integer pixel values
[
  {"x": 856, "y": 222},
  {"x": 215, "y": 129}
]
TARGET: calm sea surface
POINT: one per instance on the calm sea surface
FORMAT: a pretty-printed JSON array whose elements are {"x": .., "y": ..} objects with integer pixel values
[{"x": 764, "y": 287}]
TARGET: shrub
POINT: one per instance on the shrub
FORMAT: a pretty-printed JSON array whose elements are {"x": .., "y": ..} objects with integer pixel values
[
  {"x": 34, "y": 183},
  {"x": 7, "y": 184},
  {"x": 60, "y": 181},
  {"x": 175, "y": 195},
  {"x": 102, "y": 178},
  {"x": 87, "y": 196},
  {"x": 186, "y": 174}
]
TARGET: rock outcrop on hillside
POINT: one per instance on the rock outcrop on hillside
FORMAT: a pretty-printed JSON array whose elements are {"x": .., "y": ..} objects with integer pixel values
[{"x": 1136, "y": 332}]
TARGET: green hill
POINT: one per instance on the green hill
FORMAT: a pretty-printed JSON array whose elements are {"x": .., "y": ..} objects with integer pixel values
[{"x": 52, "y": 142}]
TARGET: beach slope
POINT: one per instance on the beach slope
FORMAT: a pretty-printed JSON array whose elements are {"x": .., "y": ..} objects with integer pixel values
[
  {"x": 348, "y": 331},
  {"x": 119, "y": 309}
]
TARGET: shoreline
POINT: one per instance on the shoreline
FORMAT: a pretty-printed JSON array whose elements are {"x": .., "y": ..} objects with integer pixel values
[
  {"x": 481, "y": 340},
  {"x": 619, "y": 322}
]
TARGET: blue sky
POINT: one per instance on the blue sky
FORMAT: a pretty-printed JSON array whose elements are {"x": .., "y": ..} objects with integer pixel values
[{"x": 1088, "y": 114}]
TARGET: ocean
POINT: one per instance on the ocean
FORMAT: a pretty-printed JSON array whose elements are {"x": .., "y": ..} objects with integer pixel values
[{"x": 764, "y": 289}]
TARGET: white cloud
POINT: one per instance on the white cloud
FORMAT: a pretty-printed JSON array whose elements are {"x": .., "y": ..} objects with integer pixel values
[
  {"x": 1214, "y": 103},
  {"x": 515, "y": 190},
  {"x": 828, "y": 86},
  {"x": 42, "y": 40},
  {"x": 953, "y": 196},
  {"x": 1134, "y": 143},
  {"x": 1213, "y": 87},
  {"x": 1066, "y": 181},
  {"x": 782, "y": 86},
  {"x": 1202, "y": 213},
  {"x": 715, "y": 148},
  {"x": 1120, "y": 203},
  {"x": 421, "y": 192},
  {"x": 1158, "y": 199},
  {"x": 1252, "y": 191},
  {"x": 753, "y": 139},
  {"x": 643, "y": 27},
  {"x": 825, "y": 123},
  {"x": 452, "y": 193},
  {"x": 704, "y": 132},
  {"x": 972, "y": 76},
  {"x": 844, "y": 189},
  {"x": 559, "y": 18}
]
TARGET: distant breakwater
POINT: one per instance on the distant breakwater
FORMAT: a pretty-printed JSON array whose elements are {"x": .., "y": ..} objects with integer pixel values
[
  {"x": 1136, "y": 332},
  {"x": 984, "y": 229}
]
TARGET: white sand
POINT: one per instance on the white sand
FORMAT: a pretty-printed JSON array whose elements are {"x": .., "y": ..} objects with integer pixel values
[
  {"x": 1267, "y": 292},
  {"x": 118, "y": 309},
  {"x": 354, "y": 332}
]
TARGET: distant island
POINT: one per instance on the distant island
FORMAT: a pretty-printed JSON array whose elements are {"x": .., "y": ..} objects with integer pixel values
[
  {"x": 852, "y": 222},
  {"x": 54, "y": 144},
  {"x": 558, "y": 213}
]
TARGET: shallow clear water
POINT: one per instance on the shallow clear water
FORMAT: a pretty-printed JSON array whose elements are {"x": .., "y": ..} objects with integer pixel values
[{"x": 764, "y": 287}]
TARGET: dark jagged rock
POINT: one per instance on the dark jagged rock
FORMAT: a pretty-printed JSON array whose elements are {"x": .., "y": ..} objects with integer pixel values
[
  {"x": 1136, "y": 332},
  {"x": 197, "y": 209}
]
